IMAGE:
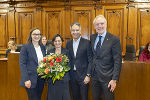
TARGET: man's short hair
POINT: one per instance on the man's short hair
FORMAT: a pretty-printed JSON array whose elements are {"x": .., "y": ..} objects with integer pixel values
[
  {"x": 75, "y": 23},
  {"x": 99, "y": 16}
]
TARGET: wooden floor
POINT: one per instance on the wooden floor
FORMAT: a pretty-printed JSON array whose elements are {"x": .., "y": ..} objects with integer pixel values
[{"x": 133, "y": 84}]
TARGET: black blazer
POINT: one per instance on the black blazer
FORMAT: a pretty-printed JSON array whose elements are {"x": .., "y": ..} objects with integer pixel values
[
  {"x": 108, "y": 63},
  {"x": 28, "y": 64},
  {"x": 83, "y": 58},
  {"x": 66, "y": 77}
]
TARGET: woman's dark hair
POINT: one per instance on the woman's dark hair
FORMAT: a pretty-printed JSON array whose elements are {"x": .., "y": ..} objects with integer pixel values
[
  {"x": 57, "y": 35},
  {"x": 30, "y": 38},
  {"x": 146, "y": 48}
]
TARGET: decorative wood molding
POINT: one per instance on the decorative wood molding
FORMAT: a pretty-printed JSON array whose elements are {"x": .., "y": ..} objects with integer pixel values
[
  {"x": 98, "y": 7},
  {"x": 67, "y": 8},
  {"x": 130, "y": 6},
  {"x": 13, "y": 38},
  {"x": 4, "y": 5},
  {"x": 31, "y": 4},
  {"x": 38, "y": 9},
  {"x": 131, "y": 0},
  {"x": 12, "y": 10}
]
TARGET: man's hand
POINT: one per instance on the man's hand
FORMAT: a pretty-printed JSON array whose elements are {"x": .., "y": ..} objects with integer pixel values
[
  {"x": 112, "y": 85},
  {"x": 86, "y": 80},
  {"x": 28, "y": 84}
]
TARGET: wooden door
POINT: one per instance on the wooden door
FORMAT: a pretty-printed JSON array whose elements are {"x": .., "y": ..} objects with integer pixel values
[
  {"x": 53, "y": 21},
  {"x": 26, "y": 19},
  {"x": 84, "y": 15},
  {"x": 3, "y": 28},
  {"x": 143, "y": 32},
  {"x": 116, "y": 17}
]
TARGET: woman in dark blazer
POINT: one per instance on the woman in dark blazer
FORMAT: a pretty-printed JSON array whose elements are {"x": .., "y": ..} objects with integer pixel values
[
  {"x": 60, "y": 89},
  {"x": 30, "y": 56}
]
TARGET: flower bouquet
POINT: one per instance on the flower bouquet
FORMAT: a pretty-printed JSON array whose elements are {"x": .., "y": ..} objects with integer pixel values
[{"x": 53, "y": 66}]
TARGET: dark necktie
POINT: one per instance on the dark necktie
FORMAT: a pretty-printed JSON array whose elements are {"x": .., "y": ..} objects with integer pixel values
[{"x": 98, "y": 46}]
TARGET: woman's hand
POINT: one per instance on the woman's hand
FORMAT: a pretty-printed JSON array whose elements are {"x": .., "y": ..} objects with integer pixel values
[{"x": 28, "y": 84}]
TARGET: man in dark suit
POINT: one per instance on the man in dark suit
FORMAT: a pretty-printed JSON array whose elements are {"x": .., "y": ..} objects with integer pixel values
[
  {"x": 80, "y": 57},
  {"x": 107, "y": 57}
]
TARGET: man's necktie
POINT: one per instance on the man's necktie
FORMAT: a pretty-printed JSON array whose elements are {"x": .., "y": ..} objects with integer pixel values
[{"x": 98, "y": 46}]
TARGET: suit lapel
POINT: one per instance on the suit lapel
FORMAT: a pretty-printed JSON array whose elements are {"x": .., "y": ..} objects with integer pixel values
[
  {"x": 72, "y": 52},
  {"x": 93, "y": 42},
  {"x": 43, "y": 52},
  {"x": 105, "y": 42},
  {"x": 33, "y": 52},
  {"x": 107, "y": 37},
  {"x": 79, "y": 46}
]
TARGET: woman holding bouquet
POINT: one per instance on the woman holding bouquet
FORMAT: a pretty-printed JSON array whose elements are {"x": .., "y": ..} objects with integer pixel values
[
  {"x": 30, "y": 56},
  {"x": 60, "y": 89}
]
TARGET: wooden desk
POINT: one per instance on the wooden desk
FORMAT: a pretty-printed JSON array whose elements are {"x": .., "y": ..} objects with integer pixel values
[
  {"x": 16, "y": 92},
  {"x": 133, "y": 85},
  {"x": 3, "y": 78}
]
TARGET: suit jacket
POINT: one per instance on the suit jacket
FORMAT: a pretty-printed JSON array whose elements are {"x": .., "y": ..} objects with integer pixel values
[
  {"x": 83, "y": 58},
  {"x": 28, "y": 64},
  {"x": 107, "y": 64},
  {"x": 66, "y": 77}
]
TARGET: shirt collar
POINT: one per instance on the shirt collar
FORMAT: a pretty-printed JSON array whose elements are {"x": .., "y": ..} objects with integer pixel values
[
  {"x": 77, "y": 40},
  {"x": 103, "y": 35}
]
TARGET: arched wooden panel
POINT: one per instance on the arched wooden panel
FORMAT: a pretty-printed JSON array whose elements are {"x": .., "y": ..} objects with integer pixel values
[
  {"x": 53, "y": 22},
  {"x": 84, "y": 15},
  {"x": 24, "y": 23},
  {"x": 3, "y": 29},
  {"x": 143, "y": 26},
  {"x": 114, "y": 19},
  {"x": 116, "y": 23}
]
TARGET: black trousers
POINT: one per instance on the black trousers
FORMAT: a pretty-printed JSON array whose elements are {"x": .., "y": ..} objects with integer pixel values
[
  {"x": 100, "y": 88},
  {"x": 36, "y": 93},
  {"x": 79, "y": 89}
]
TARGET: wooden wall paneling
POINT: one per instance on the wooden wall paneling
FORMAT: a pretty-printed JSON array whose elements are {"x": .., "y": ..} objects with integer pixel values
[
  {"x": 114, "y": 1},
  {"x": 99, "y": 10},
  {"x": 132, "y": 25},
  {"x": 3, "y": 28},
  {"x": 66, "y": 24},
  {"x": 11, "y": 24},
  {"x": 109, "y": 1},
  {"x": 116, "y": 17},
  {"x": 84, "y": 15},
  {"x": 24, "y": 23},
  {"x": 121, "y": 1},
  {"x": 53, "y": 21},
  {"x": 140, "y": 1},
  {"x": 143, "y": 26},
  {"x": 38, "y": 20}
]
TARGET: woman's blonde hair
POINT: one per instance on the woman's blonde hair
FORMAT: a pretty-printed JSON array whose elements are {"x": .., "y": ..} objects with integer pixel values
[{"x": 13, "y": 44}]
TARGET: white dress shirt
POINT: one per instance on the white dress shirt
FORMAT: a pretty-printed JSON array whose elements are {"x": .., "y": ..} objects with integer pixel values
[
  {"x": 39, "y": 53},
  {"x": 75, "y": 48}
]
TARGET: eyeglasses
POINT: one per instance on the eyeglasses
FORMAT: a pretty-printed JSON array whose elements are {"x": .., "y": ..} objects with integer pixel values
[
  {"x": 75, "y": 30},
  {"x": 36, "y": 34},
  {"x": 97, "y": 24}
]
